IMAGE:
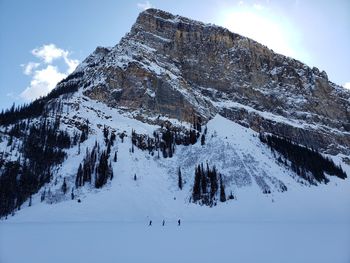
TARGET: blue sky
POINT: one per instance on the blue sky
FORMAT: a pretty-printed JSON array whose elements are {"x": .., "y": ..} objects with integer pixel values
[{"x": 42, "y": 41}]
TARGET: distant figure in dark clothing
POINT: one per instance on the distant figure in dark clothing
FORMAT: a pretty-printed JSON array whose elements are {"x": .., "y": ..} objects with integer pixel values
[
  {"x": 163, "y": 222},
  {"x": 150, "y": 223},
  {"x": 178, "y": 222}
]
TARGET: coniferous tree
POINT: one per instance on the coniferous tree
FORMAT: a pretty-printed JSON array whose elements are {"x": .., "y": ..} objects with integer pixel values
[
  {"x": 193, "y": 137},
  {"x": 109, "y": 145},
  {"x": 180, "y": 179},
  {"x": 10, "y": 141},
  {"x": 231, "y": 196},
  {"x": 103, "y": 171},
  {"x": 84, "y": 131},
  {"x": 203, "y": 139},
  {"x": 170, "y": 150},
  {"x": 113, "y": 138},
  {"x": 42, "y": 197},
  {"x": 213, "y": 182},
  {"x": 111, "y": 174},
  {"x": 222, "y": 190},
  {"x": 30, "y": 200},
  {"x": 199, "y": 124},
  {"x": 165, "y": 154},
  {"x": 64, "y": 186},
  {"x": 79, "y": 177},
  {"x": 204, "y": 177},
  {"x": 105, "y": 133},
  {"x": 196, "y": 193},
  {"x": 121, "y": 136}
]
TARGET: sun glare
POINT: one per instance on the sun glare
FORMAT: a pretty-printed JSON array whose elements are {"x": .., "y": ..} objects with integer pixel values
[{"x": 260, "y": 24}]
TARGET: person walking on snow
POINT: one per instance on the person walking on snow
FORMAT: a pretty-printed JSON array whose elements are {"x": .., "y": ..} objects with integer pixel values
[
  {"x": 178, "y": 222},
  {"x": 150, "y": 223}
]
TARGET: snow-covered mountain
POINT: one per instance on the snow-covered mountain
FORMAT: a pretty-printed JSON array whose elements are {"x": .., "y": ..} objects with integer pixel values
[{"x": 179, "y": 119}]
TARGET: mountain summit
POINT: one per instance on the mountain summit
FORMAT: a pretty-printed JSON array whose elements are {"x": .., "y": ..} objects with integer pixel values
[
  {"x": 178, "y": 112},
  {"x": 174, "y": 66}
]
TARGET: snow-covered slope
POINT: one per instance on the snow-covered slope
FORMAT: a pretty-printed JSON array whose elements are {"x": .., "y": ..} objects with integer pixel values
[
  {"x": 264, "y": 189},
  {"x": 171, "y": 74}
]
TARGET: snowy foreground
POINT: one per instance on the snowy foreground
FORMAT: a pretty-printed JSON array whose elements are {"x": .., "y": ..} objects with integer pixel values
[
  {"x": 191, "y": 242},
  {"x": 299, "y": 226}
]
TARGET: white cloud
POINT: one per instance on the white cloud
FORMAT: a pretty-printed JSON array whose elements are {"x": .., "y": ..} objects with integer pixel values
[
  {"x": 45, "y": 75},
  {"x": 43, "y": 82},
  {"x": 49, "y": 52},
  {"x": 347, "y": 85},
  {"x": 28, "y": 68},
  {"x": 144, "y": 6}
]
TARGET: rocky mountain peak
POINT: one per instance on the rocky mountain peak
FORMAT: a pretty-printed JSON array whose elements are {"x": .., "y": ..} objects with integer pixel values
[{"x": 177, "y": 67}]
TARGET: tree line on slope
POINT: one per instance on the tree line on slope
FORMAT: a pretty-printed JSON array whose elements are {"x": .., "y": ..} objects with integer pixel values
[
  {"x": 306, "y": 163},
  {"x": 39, "y": 146},
  {"x": 37, "y": 107},
  {"x": 96, "y": 167},
  {"x": 165, "y": 140}
]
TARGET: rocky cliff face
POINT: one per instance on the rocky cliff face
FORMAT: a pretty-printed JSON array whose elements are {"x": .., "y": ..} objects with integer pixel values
[{"x": 170, "y": 65}]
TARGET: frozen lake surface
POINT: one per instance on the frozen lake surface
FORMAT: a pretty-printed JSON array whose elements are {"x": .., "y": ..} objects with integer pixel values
[{"x": 191, "y": 242}]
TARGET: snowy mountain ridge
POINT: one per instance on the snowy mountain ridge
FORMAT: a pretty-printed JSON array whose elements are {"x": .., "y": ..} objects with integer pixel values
[
  {"x": 206, "y": 70},
  {"x": 177, "y": 100}
]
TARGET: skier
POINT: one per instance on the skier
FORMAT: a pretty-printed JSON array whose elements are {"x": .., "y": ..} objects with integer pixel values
[
  {"x": 150, "y": 223},
  {"x": 163, "y": 222},
  {"x": 178, "y": 222}
]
